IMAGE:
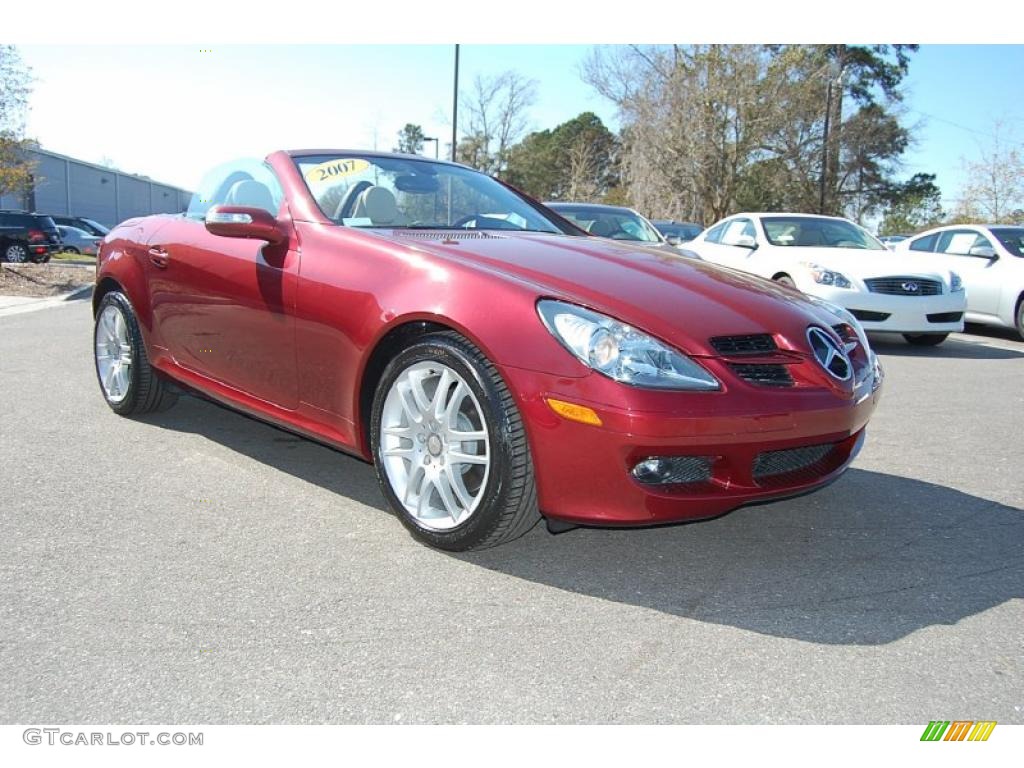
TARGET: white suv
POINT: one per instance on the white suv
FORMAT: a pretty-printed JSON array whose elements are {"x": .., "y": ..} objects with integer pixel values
[
  {"x": 990, "y": 260},
  {"x": 836, "y": 260}
]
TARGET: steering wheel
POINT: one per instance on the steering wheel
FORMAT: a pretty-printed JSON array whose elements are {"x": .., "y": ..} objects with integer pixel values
[{"x": 349, "y": 200}]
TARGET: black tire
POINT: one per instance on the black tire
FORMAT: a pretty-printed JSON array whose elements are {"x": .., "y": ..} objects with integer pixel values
[
  {"x": 71, "y": 249},
  {"x": 785, "y": 280},
  {"x": 508, "y": 508},
  {"x": 925, "y": 339},
  {"x": 1020, "y": 317},
  {"x": 147, "y": 392},
  {"x": 15, "y": 253}
]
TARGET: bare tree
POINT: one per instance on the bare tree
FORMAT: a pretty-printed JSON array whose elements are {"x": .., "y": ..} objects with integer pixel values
[
  {"x": 583, "y": 169},
  {"x": 711, "y": 129},
  {"x": 495, "y": 118},
  {"x": 695, "y": 121},
  {"x": 994, "y": 190},
  {"x": 15, "y": 87}
]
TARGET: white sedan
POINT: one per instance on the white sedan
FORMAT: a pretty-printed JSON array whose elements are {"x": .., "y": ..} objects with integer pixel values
[
  {"x": 838, "y": 261},
  {"x": 990, "y": 258}
]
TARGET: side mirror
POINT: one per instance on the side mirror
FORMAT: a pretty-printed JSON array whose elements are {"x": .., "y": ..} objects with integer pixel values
[
  {"x": 983, "y": 252},
  {"x": 244, "y": 222},
  {"x": 673, "y": 239},
  {"x": 746, "y": 241}
]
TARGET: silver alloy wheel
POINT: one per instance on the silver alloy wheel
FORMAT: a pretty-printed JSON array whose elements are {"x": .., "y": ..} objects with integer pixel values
[
  {"x": 113, "y": 353},
  {"x": 434, "y": 446},
  {"x": 16, "y": 253}
]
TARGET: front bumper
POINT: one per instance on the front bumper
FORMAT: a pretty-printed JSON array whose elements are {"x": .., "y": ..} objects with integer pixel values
[
  {"x": 903, "y": 314},
  {"x": 583, "y": 471}
]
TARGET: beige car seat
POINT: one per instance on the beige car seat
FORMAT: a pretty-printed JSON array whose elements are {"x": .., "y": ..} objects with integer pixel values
[{"x": 379, "y": 206}]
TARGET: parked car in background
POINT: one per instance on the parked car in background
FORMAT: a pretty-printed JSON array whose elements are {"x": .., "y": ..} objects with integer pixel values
[
  {"x": 491, "y": 360},
  {"x": 27, "y": 237},
  {"x": 75, "y": 240},
  {"x": 890, "y": 241},
  {"x": 838, "y": 261},
  {"x": 678, "y": 232},
  {"x": 88, "y": 225},
  {"x": 990, "y": 261},
  {"x": 611, "y": 221}
]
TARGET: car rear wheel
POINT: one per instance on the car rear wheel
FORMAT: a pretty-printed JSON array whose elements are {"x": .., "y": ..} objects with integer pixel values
[
  {"x": 450, "y": 448},
  {"x": 1020, "y": 317},
  {"x": 16, "y": 253},
  {"x": 925, "y": 339},
  {"x": 127, "y": 380},
  {"x": 70, "y": 249}
]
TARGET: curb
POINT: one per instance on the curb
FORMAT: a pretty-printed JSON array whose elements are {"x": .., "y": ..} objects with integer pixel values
[{"x": 47, "y": 302}]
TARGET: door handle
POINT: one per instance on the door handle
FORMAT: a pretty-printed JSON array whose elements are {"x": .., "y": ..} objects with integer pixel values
[{"x": 159, "y": 257}]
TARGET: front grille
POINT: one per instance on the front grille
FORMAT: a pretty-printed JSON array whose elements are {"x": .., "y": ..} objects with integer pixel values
[
  {"x": 773, "y": 463},
  {"x": 869, "y": 316},
  {"x": 904, "y": 286},
  {"x": 765, "y": 375},
  {"x": 945, "y": 317},
  {"x": 751, "y": 344}
]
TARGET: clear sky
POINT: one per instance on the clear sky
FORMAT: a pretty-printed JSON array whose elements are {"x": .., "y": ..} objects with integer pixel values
[{"x": 172, "y": 111}]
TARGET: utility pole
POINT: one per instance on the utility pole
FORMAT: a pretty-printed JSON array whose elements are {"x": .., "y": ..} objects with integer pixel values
[
  {"x": 455, "y": 104},
  {"x": 824, "y": 148}
]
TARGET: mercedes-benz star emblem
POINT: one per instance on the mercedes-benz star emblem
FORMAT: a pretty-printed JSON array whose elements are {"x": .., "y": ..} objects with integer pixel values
[
  {"x": 829, "y": 353},
  {"x": 909, "y": 287}
]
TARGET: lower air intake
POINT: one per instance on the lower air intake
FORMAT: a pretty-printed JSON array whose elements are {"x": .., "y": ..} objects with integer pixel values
[{"x": 773, "y": 463}]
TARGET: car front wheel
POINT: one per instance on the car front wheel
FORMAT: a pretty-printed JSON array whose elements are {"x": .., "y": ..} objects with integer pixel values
[
  {"x": 925, "y": 339},
  {"x": 450, "y": 448},
  {"x": 127, "y": 380}
]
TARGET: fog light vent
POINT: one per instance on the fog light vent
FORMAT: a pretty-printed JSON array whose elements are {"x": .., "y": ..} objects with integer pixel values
[{"x": 670, "y": 470}]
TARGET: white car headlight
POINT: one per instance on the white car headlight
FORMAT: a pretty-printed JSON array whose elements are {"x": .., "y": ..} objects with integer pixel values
[
  {"x": 827, "y": 276},
  {"x": 955, "y": 283},
  {"x": 621, "y": 352}
]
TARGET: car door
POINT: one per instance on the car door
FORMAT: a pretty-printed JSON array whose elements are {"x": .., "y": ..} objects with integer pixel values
[
  {"x": 736, "y": 246},
  {"x": 963, "y": 251},
  {"x": 224, "y": 306},
  {"x": 709, "y": 246}
]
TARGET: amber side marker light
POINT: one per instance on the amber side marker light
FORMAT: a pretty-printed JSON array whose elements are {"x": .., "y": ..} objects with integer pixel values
[{"x": 574, "y": 412}]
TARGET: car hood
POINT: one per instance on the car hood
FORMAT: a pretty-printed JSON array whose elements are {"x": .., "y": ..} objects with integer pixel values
[
  {"x": 861, "y": 264},
  {"x": 679, "y": 299}
]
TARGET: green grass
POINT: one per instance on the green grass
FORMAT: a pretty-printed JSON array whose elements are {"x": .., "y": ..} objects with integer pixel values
[{"x": 66, "y": 256}]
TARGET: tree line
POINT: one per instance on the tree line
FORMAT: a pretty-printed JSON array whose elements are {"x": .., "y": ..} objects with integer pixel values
[{"x": 709, "y": 130}]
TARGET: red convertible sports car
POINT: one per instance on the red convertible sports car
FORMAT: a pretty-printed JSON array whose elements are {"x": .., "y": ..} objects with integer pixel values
[{"x": 493, "y": 361}]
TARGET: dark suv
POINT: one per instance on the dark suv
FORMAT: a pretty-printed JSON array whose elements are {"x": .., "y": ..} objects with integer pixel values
[{"x": 27, "y": 237}]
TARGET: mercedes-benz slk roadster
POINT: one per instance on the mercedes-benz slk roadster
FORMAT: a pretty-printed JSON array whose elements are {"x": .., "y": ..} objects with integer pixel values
[{"x": 495, "y": 363}]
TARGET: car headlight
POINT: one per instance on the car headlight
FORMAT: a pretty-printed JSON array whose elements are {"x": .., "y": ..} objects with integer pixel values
[
  {"x": 955, "y": 283},
  {"x": 621, "y": 352},
  {"x": 827, "y": 276}
]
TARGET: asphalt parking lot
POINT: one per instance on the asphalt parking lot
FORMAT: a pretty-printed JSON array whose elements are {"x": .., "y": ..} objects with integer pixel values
[{"x": 198, "y": 566}]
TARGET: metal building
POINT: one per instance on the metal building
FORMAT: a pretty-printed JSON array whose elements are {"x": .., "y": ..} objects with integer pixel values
[{"x": 73, "y": 187}]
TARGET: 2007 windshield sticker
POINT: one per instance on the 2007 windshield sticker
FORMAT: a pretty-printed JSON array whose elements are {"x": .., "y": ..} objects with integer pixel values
[{"x": 334, "y": 169}]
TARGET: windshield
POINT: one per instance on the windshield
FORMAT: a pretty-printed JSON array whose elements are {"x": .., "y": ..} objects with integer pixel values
[
  {"x": 96, "y": 227},
  {"x": 1012, "y": 239},
  {"x": 616, "y": 223},
  {"x": 406, "y": 193},
  {"x": 806, "y": 232}
]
